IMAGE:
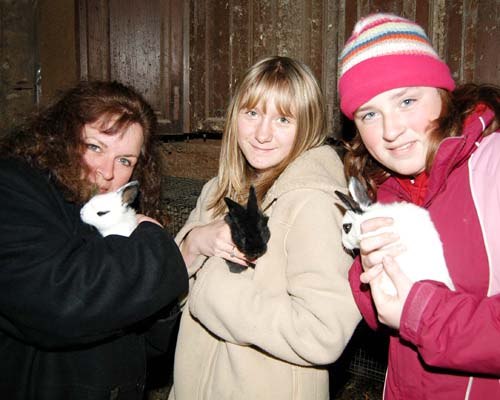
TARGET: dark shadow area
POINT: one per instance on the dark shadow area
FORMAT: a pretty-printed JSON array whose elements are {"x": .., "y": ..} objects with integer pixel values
[{"x": 359, "y": 372}]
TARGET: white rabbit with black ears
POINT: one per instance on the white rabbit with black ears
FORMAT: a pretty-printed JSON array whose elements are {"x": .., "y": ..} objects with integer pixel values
[
  {"x": 423, "y": 257},
  {"x": 111, "y": 213}
]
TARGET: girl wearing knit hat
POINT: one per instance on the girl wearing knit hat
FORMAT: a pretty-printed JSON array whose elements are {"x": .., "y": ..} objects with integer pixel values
[{"x": 421, "y": 140}]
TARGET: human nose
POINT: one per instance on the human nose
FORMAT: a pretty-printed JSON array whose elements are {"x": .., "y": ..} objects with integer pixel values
[
  {"x": 264, "y": 132},
  {"x": 106, "y": 169},
  {"x": 393, "y": 127}
]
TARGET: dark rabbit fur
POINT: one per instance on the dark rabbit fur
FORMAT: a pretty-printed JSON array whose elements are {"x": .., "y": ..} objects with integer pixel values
[{"x": 248, "y": 225}]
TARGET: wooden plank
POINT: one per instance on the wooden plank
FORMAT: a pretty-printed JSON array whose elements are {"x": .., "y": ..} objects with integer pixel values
[
  {"x": 487, "y": 54},
  {"x": 98, "y": 40},
  {"x": 241, "y": 41}
]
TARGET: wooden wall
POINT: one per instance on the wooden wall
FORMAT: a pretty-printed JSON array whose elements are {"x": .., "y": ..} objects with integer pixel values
[
  {"x": 186, "y": 56},
  {"x": 228, "y": 36}
]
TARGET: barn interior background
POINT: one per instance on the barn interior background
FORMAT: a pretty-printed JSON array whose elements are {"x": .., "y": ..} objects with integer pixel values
[{"x": 186, "y": 56}]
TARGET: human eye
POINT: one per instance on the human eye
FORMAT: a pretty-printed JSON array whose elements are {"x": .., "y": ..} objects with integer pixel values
[
  {"x": 125, "y": 161},
  {"x": 251, "y": 113},
  {"x": 284, "y": 120},
  {"x": 408, "y": 102},
  {"x": 93, "y": 147},
  {"x": 368, "y": 116}
]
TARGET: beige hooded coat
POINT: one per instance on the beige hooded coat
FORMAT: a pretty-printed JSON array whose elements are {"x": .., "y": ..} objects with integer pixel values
[{"x": 268, "y": 332}]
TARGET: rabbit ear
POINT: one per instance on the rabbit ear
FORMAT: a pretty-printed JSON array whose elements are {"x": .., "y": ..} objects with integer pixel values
[
  {"x": 349, "y": 203},
  {"x": 233, "y": 207},
  {"x": 358, "y": 193},
  {"x": 252, "y": 205},
  {"x": 129, "y": 192}
]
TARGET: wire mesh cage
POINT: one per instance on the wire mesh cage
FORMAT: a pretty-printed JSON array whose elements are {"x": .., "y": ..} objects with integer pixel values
[
  {"x": 179, "y": 199},
  {"x": 368, "y": 353},
  {"x": 364, "y": 364}
]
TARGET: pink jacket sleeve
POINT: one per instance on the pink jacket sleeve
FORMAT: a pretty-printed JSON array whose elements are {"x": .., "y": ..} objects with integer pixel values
[
  {"x": 452, "y": 329},
  {"x": 362, "y": 295}
]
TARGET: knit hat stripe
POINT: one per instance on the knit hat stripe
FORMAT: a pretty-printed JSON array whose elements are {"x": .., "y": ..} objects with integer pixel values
[
  {"x": 379, "y": 30},
  {"x": 387, "y": 44},
  {"x": 373, "y": 20}
]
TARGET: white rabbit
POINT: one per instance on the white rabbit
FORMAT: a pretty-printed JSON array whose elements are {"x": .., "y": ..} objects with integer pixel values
[
  {"x": 111, "y": 213},
  {"x": 423, "y": 258}
]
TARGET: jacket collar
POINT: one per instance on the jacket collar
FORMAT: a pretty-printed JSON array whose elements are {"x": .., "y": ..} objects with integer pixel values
[{"x": 318, "y": 168}]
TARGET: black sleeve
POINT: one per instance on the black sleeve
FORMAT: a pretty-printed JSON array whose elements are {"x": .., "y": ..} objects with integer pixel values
[
  {"x": 62, "y": 283},
  {"x": 163, "y": 333}
]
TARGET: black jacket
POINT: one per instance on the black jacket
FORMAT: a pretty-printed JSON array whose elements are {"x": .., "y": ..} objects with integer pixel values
[{"x": 78, "y": 312}]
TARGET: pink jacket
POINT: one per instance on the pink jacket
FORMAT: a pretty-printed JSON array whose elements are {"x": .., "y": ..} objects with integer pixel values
[{"x": 448, "y": 345}]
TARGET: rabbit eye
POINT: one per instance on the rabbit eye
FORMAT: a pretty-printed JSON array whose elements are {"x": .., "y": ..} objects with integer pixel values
[
  {"x": 101, "y": 213},
  {"x": 347, "y": 227}
]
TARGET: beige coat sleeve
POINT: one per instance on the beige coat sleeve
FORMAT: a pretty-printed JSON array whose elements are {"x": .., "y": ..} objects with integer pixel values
[{"x": 313, "y": 318}]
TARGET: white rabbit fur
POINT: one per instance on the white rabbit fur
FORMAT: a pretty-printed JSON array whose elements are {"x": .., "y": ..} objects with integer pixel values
[
  {"x": 423, "y": 257},
  {"x": 111, "y": 213}
]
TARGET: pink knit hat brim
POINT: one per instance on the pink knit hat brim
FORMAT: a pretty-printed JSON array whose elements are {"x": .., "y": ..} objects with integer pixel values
[{"x": 376, "y": 75}]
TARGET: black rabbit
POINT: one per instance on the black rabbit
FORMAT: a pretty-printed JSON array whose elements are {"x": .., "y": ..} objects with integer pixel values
[{"x": 248, "y": 225}]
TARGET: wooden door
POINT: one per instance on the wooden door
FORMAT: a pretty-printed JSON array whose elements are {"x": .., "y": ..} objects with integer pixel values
[{"x": 140, "y": 43}]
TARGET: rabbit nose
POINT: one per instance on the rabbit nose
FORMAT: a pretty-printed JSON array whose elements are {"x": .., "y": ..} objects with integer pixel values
[{"x": 347, "y": 227}]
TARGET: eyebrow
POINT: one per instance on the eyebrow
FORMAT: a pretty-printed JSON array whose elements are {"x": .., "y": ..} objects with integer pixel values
[
  {"x": 396, "y": 95},
  {"x": 102, "y": 144}
]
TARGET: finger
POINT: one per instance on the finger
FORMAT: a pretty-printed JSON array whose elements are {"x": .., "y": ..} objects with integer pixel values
[
  {"x": 370, "y": 274},
  {"x": 378, "y": 295},
  {"x": 143, "y": 218},
  {"x": 367, "y": 244},
  {"x": 392, "y": 269},
  {"x": 242, "y": 262},
  {"x": 376, "y": 257},
  {"x": 373, "y": 224}
]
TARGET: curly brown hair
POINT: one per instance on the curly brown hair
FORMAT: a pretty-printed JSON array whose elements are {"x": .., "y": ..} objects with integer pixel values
[
  {"x": 456, "y": 106},
  {"x": 51, "y": 140}
]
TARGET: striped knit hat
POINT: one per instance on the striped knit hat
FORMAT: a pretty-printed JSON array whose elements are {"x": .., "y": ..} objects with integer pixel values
[{"x": 386, "y": 52}]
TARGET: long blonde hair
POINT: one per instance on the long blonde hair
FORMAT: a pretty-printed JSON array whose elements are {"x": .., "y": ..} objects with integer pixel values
[{"x": 295, "y": 91}]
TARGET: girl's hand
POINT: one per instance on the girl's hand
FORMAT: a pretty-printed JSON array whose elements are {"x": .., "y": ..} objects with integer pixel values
[
  {"x": 390, "y": 308},
  {"x": 213, "y": 239},
  {"x": 374, "y": 248}
]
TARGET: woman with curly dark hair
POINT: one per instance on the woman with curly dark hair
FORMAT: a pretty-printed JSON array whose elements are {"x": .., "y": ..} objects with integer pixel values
[{"x": 80, "y": 312}]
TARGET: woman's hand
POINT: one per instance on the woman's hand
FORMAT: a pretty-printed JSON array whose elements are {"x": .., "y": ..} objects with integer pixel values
[
  {"x": 374, "y": 248},
  {"x": 143, "y": 218},
  {"x": 213, "y": 239},
  {"x": 390, "y": 308}
]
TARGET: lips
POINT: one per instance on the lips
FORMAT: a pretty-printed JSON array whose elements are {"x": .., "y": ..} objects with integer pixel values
[
  {"x": 402, "y": 147},
  {"x": 102, "y": 190},
  {"x": 260, "y": 149}
]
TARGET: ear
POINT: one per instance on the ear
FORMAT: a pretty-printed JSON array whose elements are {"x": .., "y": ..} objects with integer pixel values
[
  {"x": 349, "y": 203},
  {"x": 252, "y": 205},
  {"x": 233, "y": 207},
  {"x": 358, "y": 193},
  {"x": 129, "y": 192}
]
